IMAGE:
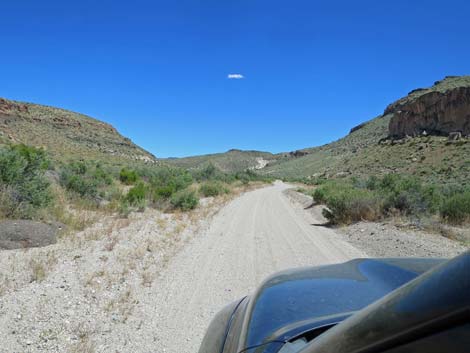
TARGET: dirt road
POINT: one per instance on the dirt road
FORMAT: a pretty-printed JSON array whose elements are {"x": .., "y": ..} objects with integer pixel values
[
  {"x": 257, "y": 234},
  {"x": 152, "y": 282}
]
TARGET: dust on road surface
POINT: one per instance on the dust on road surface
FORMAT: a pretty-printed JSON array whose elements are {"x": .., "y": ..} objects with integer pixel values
[{"x": 257, "y": 234}]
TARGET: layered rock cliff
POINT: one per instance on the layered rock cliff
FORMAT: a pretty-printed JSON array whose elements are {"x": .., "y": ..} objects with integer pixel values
[{"x": 439, "y": 110}]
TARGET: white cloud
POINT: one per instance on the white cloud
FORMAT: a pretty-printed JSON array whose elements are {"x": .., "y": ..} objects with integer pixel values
[{"x": 235, "y": 76}]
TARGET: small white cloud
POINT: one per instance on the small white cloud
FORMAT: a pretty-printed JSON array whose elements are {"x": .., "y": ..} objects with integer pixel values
[{"x": 235, "y": 76}]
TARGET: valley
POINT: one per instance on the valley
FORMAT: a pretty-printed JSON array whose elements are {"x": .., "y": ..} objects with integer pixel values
[{"x": 107, "y": 248}]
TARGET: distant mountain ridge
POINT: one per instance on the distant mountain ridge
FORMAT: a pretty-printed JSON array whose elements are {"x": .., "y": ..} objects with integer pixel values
[
  {"x": 410, "y": 137},
  {"x": 234, "y": 160},
  {"x": 65, "y": 134}
]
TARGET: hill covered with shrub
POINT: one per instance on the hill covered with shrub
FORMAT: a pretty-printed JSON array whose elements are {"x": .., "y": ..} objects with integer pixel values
[
  {"x": 371, "y": 149},
  {"x": 66, "y": 135}
]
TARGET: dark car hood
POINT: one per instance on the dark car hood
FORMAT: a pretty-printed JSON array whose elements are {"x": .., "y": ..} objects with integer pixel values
[{"x": 290, "y": 302}]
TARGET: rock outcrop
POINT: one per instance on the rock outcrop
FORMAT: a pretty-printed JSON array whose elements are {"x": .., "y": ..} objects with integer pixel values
[
  {"x": 357, "y": 127},
  {"x": 432, "y": 111},
  {"x": 298, "y": 153}
]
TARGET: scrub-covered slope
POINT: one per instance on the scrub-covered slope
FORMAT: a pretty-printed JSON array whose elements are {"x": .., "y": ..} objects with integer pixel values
[{"x": 65, "y": 134}]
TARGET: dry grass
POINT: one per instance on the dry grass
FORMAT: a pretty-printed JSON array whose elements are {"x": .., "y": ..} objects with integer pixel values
[
  {"x": 38, "y": 271},
  {"x": 457, "y": 233},
  {"x": 85, "y": 343},
  {"x": 40, "y": 266},
  {"x": 93, "y": 279},
  {"x": 147, "y": 278},
  {"x": 111, "y": 243},
  {"x": 122, "y": 305},
  {"x": 4, "y": 284},
  {"x": 162, "y": 222},
  {"x": 179, "y": 228}
]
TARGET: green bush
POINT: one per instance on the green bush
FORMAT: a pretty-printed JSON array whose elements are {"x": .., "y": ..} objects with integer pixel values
[
  {"x": 208, "y": 172},
  {"x": 79, "y": 184},
  {"x": 354, "y": 200},
  {"x": 322, "y": 193},
  {"x": 184, "y": 200},
  {"x": 407, "y": 195},
  {"x": 319, "y": 195},
  {"x": 88, "y": 180},
  {"x": 23, "y": 187},
  {"x": 213, "y": 189},
  {"x": 102, "y": 176},
  {"x": 136, "y": 195},
  {"x": 167, "y": 181},
  {"x": 348, "y": 205},
  {"x": 456, "y": 208},
  {"x": 128, "y": 176},
  {"x": 79, "y": 167},
  {"x": 163, "y": 192}
]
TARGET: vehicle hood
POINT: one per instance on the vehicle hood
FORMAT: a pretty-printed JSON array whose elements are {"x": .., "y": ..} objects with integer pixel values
[{"x": 294, "y": 301}]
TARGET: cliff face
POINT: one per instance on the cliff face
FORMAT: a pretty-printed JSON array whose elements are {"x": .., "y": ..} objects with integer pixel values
[{"x": 436, "y": 111}]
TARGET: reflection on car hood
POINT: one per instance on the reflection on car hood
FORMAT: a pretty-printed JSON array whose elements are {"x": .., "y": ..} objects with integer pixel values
[{"x": 288, "y": 302}]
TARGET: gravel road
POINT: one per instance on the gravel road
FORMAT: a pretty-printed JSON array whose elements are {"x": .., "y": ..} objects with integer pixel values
[
  {"x": 257, "y": 234},
  {"x": 153, "y": 282}
]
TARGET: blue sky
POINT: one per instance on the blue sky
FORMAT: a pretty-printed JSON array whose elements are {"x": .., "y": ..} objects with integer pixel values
[{"x": 157, "y": 70}]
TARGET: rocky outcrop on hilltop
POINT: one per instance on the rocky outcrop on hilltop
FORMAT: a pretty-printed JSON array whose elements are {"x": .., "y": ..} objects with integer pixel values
[
  {"x": 298, "y": 153},
  {"x": 11, "y": 108},
  {"x": 440, "y": 110}
]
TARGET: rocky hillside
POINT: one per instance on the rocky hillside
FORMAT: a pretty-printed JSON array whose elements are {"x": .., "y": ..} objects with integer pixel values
[
  {"x": 386, "y": 143},
  {"x": 229, "y": 162},
  {"x": 65, "y": 134},
  {"x": 440, "y": 110}
]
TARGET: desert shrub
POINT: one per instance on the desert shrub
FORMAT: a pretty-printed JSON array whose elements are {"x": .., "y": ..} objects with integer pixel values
[
  {"x": 87, "y": 180},
  {"x": 128, "y": 176},
  {"x": 322, "y": 193},
  {"x": 85, "y": 187},
  {"x": 23, "y": 185},
  {"x": 112, "y": 193},
  {"x": 137, "y": 194},
  {"x": 123, "y": 208},
  {"x": 408, "y": 195},
  {"x": 184, "y": 200},
  {"x": 213, "y": 189},
  {"x": 319, "y": 195},
  {"x": 456, "y": 208},
  {"x": 77, "y": 167},
  {"x": 102, "y": 176},
  {"x": 163, "y": 192},
  {"x": 347, "y": 204},
  {"x": 167, "y": 181},
  {"x": 357, "y": 199},
  {"x": 208, "y": 172},
  {"x": 245, "y": 180},
  {"x": 248, "y": 176}
]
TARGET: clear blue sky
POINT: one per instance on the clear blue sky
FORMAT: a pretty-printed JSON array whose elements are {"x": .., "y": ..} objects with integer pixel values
[{"x": 157, "y": 70}]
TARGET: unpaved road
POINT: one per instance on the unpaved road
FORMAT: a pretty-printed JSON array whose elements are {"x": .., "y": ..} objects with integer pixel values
[
  {"x": 257, "y": 234},
  {"x": 151, "y": 283}
]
